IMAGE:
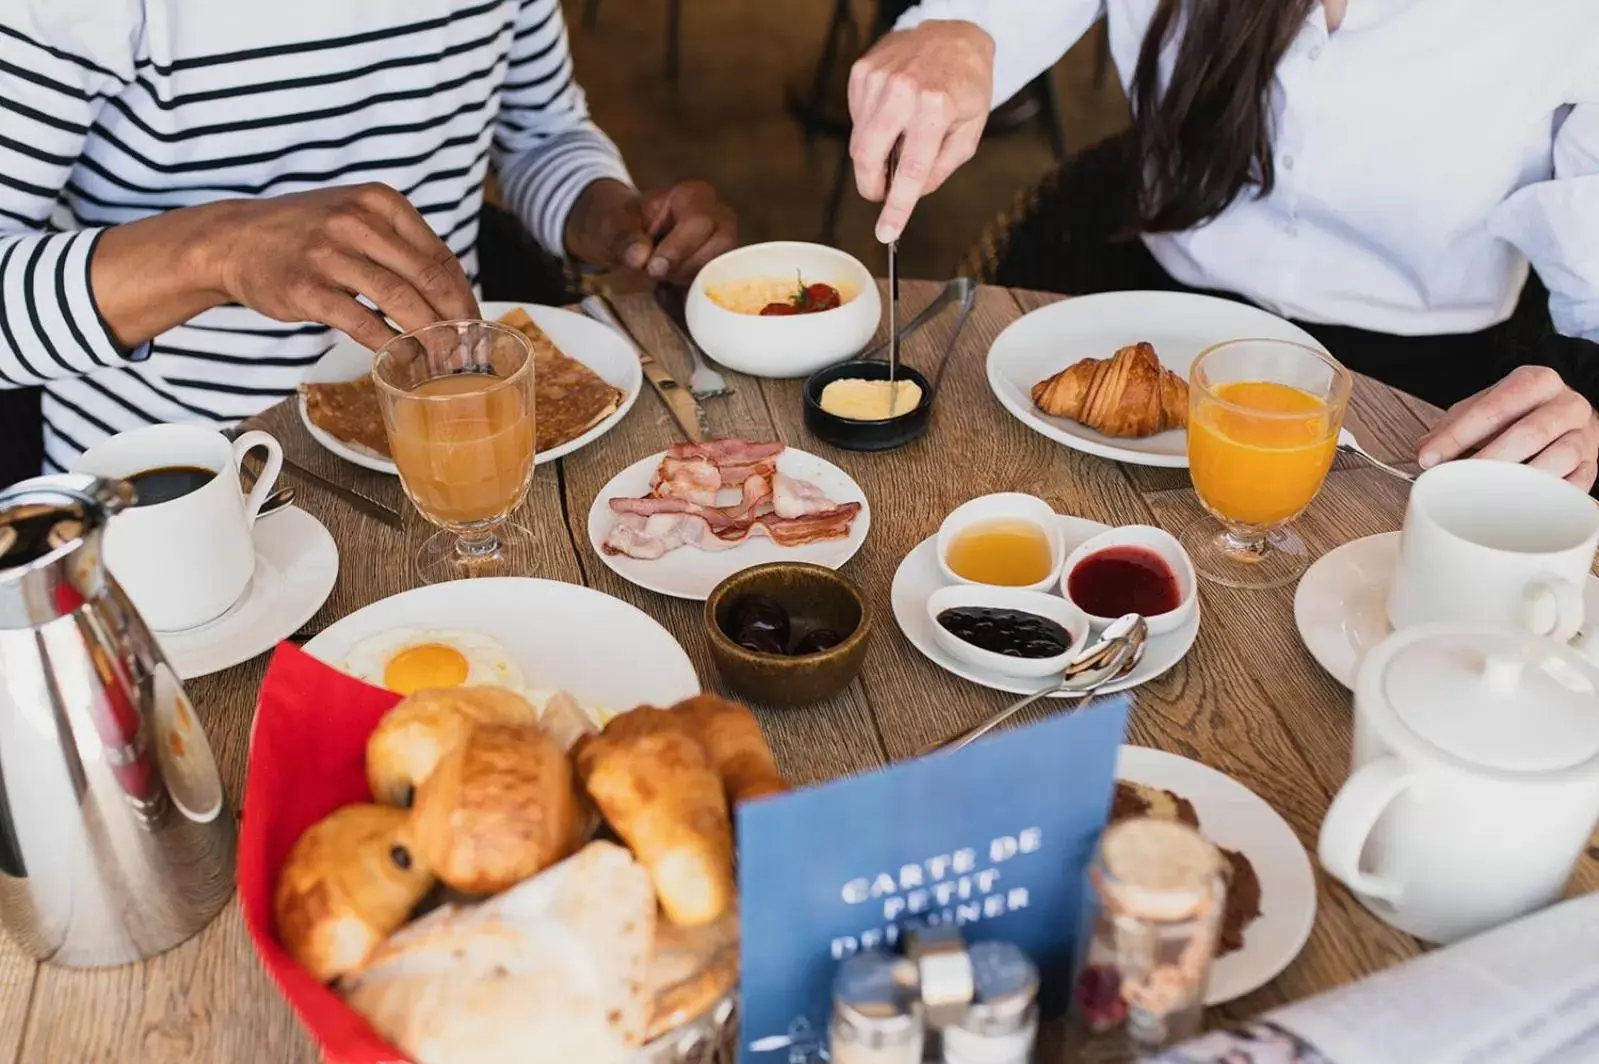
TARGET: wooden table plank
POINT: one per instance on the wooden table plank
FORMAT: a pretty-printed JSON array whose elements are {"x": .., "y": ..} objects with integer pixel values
[{"x": 17, "y": 974}]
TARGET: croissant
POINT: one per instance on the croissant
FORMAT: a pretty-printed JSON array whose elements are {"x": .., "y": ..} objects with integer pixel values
[
  {"x": 738, "y": 751},
  {"x": 656, "y": 785},
  {"x": 1129, "y": 394}
]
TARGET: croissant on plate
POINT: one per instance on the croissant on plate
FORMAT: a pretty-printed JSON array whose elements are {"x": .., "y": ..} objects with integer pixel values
[{"x": 1128, "y": 395}]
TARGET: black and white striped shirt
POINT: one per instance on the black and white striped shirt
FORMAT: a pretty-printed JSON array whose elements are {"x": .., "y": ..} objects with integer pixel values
[{"x": 113, "y": 110}]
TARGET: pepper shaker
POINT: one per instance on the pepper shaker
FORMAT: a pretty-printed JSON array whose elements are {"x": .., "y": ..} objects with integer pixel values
[
  {"x": 1160, "y": 898},
  {"x": 877, "y": 1011},
  {"x": 1001, "y": 1023}
]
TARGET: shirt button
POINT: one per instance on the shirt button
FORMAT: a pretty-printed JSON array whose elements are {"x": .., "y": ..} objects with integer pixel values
[
  {"x": 1288, "y": 162},
  {"x": 1315, "y": 53}
]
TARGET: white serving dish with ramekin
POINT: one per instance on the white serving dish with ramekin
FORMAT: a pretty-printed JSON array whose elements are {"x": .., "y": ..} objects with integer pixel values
[
  {"x": 1157, "y": 540},
  {"x": 1003, "y": 506},
  {"x": 794, "y": 345},
  {"x": 1050, "y": 607}
]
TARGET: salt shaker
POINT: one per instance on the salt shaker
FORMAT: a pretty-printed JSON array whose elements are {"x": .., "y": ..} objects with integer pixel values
[
  {"x": 1001, "y": 1023},
  {"x": 877, "y": 1011},
  {"x": 1160, "y": 899}
]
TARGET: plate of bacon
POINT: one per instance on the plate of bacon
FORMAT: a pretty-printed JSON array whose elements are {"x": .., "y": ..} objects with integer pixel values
[{"x": 682, "y": 521}]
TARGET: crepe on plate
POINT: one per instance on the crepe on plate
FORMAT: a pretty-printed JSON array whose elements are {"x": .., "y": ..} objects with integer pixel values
[{"x": 569, "y": 398}]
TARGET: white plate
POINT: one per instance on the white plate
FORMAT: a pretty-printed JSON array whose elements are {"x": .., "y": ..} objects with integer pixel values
[
  {"x": 1179, "y": 325},
  {"x": 595, "y": 345},
  {"x": 918, "y": 577},
  {"x": 690, "y": 573},
  {"x": 296, "y": 565},
  {"x": 1233, "y": 816},
  {"x": 607, "y": 654},
  {"x": 1341, "y": 604}
]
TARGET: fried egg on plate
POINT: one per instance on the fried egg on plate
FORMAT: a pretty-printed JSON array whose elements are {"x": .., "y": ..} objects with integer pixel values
[{"x": 407, "y": 660}]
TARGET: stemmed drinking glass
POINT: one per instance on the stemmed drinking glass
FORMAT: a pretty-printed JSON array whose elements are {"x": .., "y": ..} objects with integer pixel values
[
  {"x": 457, "y": 400},
  {"x": 1263, "y": 421}
]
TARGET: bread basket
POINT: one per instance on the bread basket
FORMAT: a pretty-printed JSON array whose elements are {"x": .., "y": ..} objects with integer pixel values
[{"x": 307, "y": 758}]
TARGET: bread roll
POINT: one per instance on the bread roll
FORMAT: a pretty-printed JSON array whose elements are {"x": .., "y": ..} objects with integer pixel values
[
  {"x": 498, "y": 808},
  {"x": 347, "y": 884},
  {"x": 412, "y": 737},
  {"x": 653, "y": 781},
  {"x": 738, "y": 751},
  {"x": 551, "y": 972}
]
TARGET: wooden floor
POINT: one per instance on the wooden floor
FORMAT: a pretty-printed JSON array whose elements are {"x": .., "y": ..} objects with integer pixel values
[{"x": 726, "y": 122}]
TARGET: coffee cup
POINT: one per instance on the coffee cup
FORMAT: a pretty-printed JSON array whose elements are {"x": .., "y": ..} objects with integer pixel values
[
  {"x": 1494, "y": 543},
  {"x": 183, "y": 553}
]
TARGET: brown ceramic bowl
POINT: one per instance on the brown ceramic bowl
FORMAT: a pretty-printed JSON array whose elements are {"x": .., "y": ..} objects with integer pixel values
[{"x": 815, "y": 597}]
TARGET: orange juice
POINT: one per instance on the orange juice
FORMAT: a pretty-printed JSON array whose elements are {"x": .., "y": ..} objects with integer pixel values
[
  {"x": 464, "y": 447},
  {"x": 1251, "y": 464}
]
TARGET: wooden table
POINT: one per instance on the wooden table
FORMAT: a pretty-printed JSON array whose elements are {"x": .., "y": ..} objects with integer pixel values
[{"x": 1248, "y": 699}]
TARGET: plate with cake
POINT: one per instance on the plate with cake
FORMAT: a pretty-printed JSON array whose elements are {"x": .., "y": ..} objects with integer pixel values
[
  {"x": 585, "y": 376},
  {"x": 1271, "y": 889},
  {"x": 1107, "y": 374}
]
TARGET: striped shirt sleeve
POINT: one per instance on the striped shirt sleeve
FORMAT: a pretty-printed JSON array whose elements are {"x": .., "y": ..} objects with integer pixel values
[
  {"x": 546, "y": 149},
  {"x": 59, "y": 59}
]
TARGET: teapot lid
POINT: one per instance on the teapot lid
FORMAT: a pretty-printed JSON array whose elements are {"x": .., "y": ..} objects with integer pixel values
[
  {"x": 1492, "y": 697},
  {"x": 46, "y": 516}
]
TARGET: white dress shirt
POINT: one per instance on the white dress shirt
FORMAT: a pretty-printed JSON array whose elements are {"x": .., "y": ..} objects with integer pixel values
[{"x": 1426, "y": 150}]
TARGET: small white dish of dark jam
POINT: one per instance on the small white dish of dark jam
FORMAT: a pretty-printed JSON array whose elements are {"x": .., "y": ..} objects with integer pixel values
[
  {"x": 1132, "y": 569},
  {"x": 1009, "y": 630}
]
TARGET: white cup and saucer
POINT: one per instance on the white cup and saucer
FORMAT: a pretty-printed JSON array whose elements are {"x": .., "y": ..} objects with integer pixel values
[
  {"x": 215, "y": 587},
  {"x": 1485, "y": 542}
]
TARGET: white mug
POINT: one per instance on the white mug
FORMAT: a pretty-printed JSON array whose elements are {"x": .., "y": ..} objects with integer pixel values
[
  {"x": 186, "y": 561},
  {"x": 1474, "y": 786},
  {"x": 1497, "y": 543}
]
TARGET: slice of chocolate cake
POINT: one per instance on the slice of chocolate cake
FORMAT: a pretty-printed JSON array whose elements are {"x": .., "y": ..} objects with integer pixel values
[{"x": 1137, "y": 799}]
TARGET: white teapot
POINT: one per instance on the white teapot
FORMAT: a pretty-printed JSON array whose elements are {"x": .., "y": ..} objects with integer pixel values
[{"x": 1475, "y": 784}]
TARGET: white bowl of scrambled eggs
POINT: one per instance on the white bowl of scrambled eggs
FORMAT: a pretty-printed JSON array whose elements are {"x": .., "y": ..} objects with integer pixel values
[{"x": 725, "y": 308}]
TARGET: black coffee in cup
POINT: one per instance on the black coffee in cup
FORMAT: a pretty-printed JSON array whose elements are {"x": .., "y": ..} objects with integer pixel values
[{"x": 156, "y": 486}]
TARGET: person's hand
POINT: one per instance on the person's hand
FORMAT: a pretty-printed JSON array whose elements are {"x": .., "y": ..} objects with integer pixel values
[
  {"x": 931, "y": 86},
  {"x": 305, "y": 257},
  {"x": 1531, "y": 416},
  {"x": 669, "y": 234}
]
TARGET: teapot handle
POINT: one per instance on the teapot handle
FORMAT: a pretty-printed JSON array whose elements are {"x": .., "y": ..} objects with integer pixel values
[{"x": 1354, "y": 812}]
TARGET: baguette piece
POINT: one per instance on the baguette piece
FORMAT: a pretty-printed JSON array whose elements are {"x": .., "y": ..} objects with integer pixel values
[
  {"x": 553, "y": 971},
  {"x": 654, "y": 783}
]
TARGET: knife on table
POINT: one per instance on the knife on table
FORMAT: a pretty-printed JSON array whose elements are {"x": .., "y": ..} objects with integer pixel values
[{"x": 685, "y": 410}]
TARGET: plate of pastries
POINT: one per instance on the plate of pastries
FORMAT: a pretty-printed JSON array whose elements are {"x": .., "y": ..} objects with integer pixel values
[
  {"x": 527, "y": 885},
  {"x": 585, "y": 379},
  {"x": 1108, "y": 374}
]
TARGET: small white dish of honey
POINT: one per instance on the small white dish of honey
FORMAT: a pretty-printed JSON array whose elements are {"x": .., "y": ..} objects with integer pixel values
[{"x": 1006, "y": 540}]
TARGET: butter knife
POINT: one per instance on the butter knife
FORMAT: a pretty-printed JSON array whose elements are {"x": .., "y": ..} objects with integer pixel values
[{"x": 688, "y": 413}]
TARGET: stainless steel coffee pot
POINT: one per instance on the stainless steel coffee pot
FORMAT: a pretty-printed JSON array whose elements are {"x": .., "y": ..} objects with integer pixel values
[{"x": 116, "y": 840}]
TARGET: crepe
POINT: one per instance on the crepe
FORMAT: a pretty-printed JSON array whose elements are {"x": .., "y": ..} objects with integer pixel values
[
  {"x": 554, "y": 971},
  {"x": 570, "y": 397},
  {"x": 349, "y": 412}
]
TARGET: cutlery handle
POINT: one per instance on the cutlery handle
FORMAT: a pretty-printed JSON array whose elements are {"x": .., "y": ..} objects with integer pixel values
[{"x": 971, "y": 735}]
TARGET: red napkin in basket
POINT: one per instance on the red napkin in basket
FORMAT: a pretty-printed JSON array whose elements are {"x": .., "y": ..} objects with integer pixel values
[{"x": 307, "y": 758}]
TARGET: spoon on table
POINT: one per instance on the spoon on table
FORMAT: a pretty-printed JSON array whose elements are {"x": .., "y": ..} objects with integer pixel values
[
  {"x": 1349, "y": 445},
  {"x": 1118, "y": 652}
]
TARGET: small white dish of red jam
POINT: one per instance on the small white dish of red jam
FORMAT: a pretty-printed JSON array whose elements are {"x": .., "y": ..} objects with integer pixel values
[{"x": 1132, "y": 569}]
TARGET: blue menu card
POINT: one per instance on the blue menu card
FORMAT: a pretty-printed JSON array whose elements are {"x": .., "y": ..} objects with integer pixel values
[{"x": 995, "y": 838}]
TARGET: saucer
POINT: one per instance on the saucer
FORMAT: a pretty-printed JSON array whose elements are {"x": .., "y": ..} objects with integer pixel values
[
  {"x": 919, "y": 576},
  {"x": 1233, "y": 816},
  {"x": 296, "y": 564},
  {"x": 1341, "y": 604}
]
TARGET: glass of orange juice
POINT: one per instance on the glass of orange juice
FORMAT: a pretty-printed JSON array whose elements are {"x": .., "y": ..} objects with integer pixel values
[
  {"x": 1263, "y": 421},
  {"x": 457, "y": 401}
]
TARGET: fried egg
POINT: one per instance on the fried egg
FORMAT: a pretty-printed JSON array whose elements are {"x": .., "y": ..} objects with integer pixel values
[{"x": 408, "y": 660}]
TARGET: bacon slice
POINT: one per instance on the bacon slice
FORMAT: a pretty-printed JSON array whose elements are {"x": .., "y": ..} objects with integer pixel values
[
  {"x": 727, "y": 452},
  {"x": 687, "y": 478},
  {"x": 811, "y": 528}
]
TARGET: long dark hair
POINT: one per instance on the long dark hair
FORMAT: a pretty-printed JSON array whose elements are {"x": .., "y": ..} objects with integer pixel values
[{"x": 1205, "y": 137}]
